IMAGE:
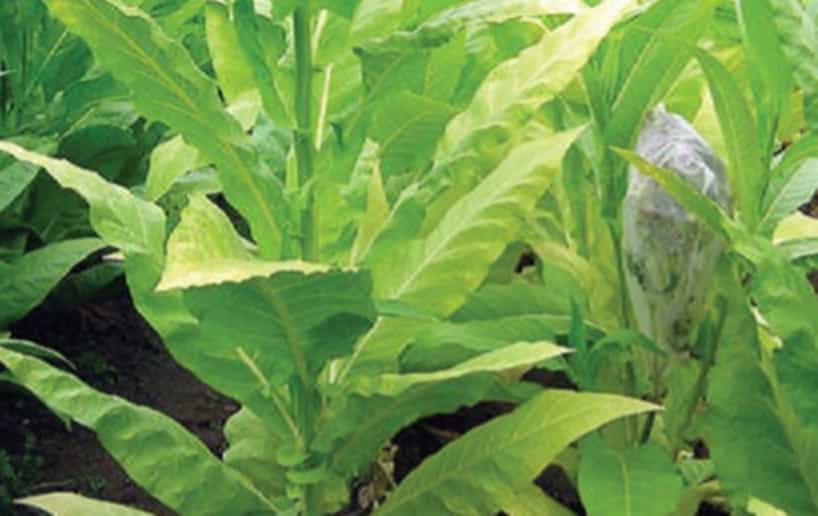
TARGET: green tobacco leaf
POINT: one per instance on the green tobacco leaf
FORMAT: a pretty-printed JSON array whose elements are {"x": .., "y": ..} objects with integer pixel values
[
  {"x": 759, "y": 449},
  {"x": 445, "y": 344},
  {"x": 531, "y": 501},
  {"x": 252, "y": 452},
  {"x": 34, "y": 350},
  {"x": 294, "y": 315},
  {"x": 787, "y": 191},
  {"x": 72, "y": 504},
  {"x": 796, "y": 154},
  {"x": 234, "y": 74},
  {"x": 746, "y": 171},
  {"x": 205, "y": 249},
  {"x": 517, "y": 298},
  {"x": 452, "y": 262},
  {"x": 122, "y": 220},
  {"x": 408, "y": 128},
  {"x": 771, "y": 76},
  {"x": 358, "y": 426},
  {"x": 378, "y": 407},
  {"x": 798, "y": 36},
  {"x": 133, "y": 434},
  {"x": 519, "y": 79},
  {"x": 259, "y": 43},
  {"x": 685, "y": 194},
  {"x": 786, "y": 300},
  {"x": 35, "y": 274},
  {"x": 511, "y": 448},
  {"x": 636, "y": 481},
  {"x": 166, "y": 85},
  {"x": 14, "y": 179},
  {"x": 475, "y": 231},
  {"x": 377, "y": 212},
  {"x": 169, "y": 161},
  {"x": 512, "y": 356},
  {"x": 291, "y": 322},
  {"x": 517, "y": 87},
  {"x": 375, "y": 17}
]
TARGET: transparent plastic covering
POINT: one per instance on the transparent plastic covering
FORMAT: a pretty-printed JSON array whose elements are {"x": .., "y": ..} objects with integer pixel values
[{"x": 669, "y": 256}]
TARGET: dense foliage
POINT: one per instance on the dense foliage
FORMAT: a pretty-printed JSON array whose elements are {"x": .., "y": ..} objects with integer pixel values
[{"x": 385, "y": 164}]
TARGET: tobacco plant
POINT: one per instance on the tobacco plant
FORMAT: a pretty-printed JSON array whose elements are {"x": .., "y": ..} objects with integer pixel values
[
  {"x": 53, "y": 99},
  {"x": 741, "y": 382},
  {"x": 381, "y": 157}
]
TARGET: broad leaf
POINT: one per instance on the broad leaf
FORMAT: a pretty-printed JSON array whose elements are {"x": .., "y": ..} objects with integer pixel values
[
  {"x": 511, "y": 447},
  {"x": 123, "y": 221},
  {"x": 759, "y": 448},
  {"x": 32, "y": 276},
  {"x": 439, "y": 273},
  {"x": 127, "y": 430},
  {"x": 294, "y": 316}
]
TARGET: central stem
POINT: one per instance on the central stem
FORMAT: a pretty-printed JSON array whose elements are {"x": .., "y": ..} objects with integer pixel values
[
  {"x": 302, "y": 390},
  {"x": 304, "y": 150}
]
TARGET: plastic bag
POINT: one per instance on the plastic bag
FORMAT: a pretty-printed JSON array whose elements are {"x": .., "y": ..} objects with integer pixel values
[{"x": 669, "y": 256}]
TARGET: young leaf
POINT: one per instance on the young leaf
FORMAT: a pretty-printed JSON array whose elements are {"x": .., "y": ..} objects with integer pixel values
[
  {"x": 129, "y": 432},
  {"x": 511, "y": 447},
  {"x": 631, "y": 482},
  {"x": 746, "y": 171},
  {"x": 72, "y": 504},
  {"x": 786, "y": 300},
  {"x": 505, "y": 358},
  {"x": 252, "y": 452},
  {"x": 445, "y": 344}
]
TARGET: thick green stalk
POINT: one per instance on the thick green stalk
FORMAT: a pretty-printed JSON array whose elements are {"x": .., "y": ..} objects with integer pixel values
[
  {"x": 302, "y": 390},
  {"x": 304, "y": 150}
]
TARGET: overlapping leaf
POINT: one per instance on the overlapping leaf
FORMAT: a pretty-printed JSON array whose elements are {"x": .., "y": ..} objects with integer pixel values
[
  {"x": 126, "y": 430},
  {"x": 479, "y": 473},
  {"x": 166, "y": 85}
]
